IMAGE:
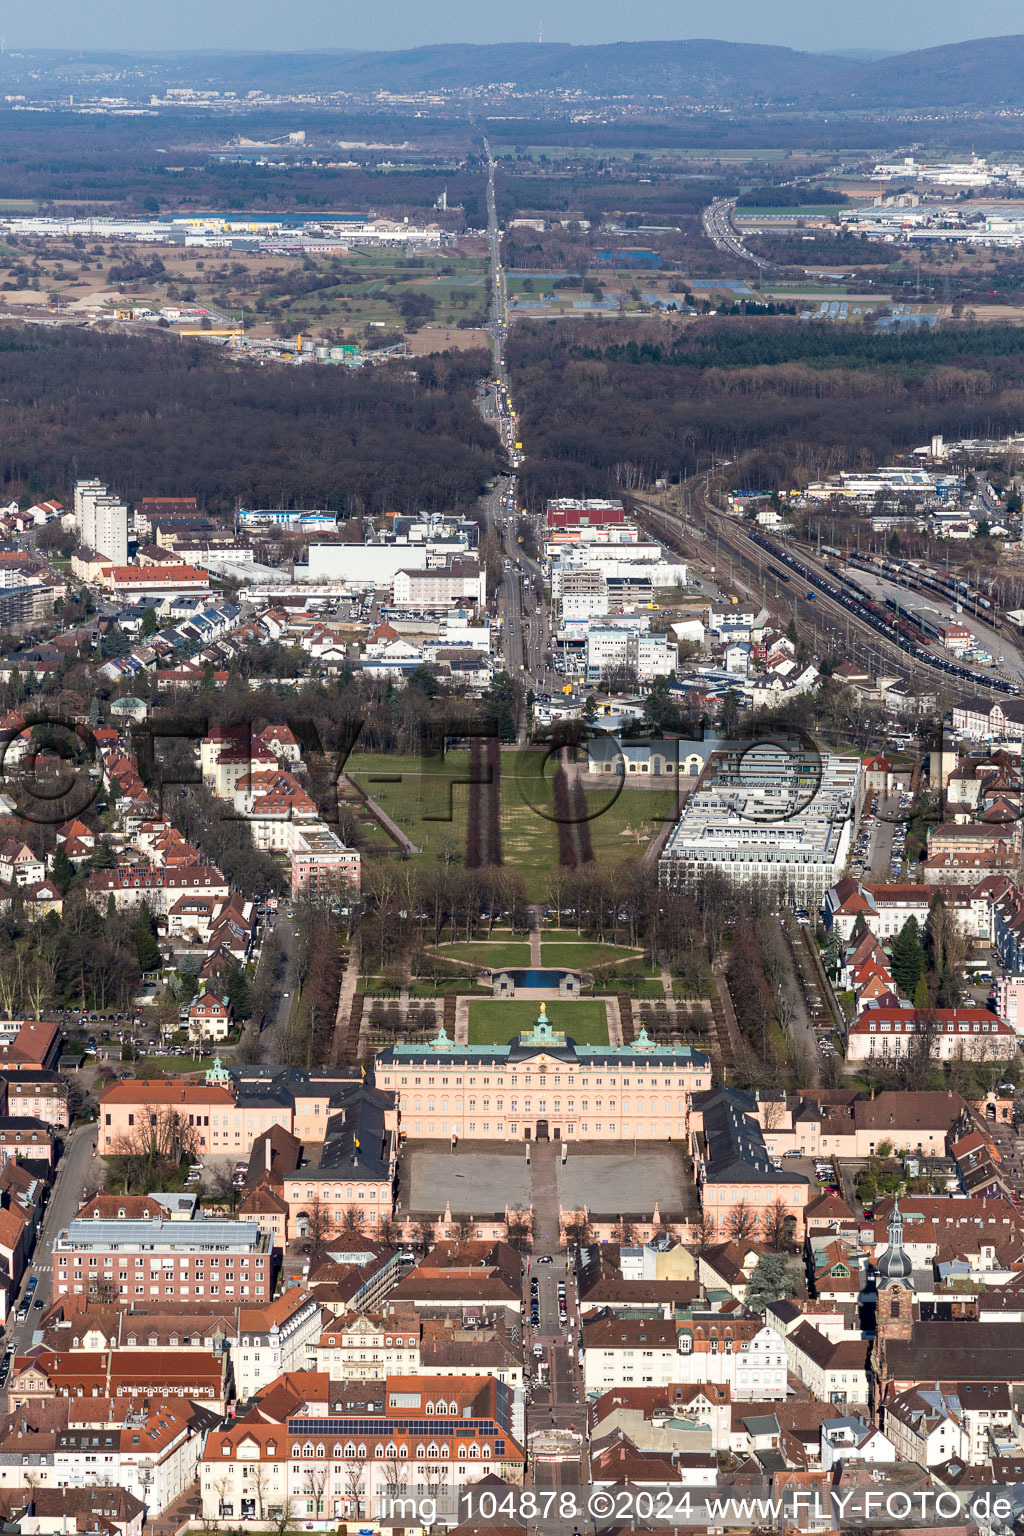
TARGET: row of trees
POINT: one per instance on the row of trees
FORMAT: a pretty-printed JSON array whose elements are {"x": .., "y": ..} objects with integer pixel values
[
  {"x": 309, "y": 1035},
  {"x": 86, "y": 958}
]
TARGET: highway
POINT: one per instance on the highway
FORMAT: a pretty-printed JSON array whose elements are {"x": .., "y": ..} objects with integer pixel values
[
  {"x": 526, "y": 625},
  {"x": 718, "y": 226},
  {"x": 720, "y": 230}
]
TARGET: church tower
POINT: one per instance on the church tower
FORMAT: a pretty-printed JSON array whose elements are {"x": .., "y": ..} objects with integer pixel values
[{"x": 894, "y": 1311}]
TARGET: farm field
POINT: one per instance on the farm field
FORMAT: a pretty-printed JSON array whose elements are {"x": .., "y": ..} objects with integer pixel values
[{"x": 359, "y": 297}]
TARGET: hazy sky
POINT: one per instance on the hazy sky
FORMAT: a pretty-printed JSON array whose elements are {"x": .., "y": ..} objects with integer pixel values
[{"x": 257, "y": 24}]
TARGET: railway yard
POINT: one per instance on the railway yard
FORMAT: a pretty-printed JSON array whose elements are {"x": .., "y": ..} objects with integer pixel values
[{"x": 856, "y": 605}]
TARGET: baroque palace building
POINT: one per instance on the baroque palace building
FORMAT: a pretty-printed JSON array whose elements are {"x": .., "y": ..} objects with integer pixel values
[{"x": 542, "y": 1085}]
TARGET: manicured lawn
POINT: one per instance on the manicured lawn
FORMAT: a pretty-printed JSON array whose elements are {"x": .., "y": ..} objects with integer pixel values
[
  {"x": 496, "y": 1021},
  {"x": 495, "y": 956},
  {"x": 433, "y": 810},
  {"x": 648, "y": 988},
  {"x": 176, "y": 1064},
  {"x": 583, "y": 956},
  {"x": 649, "y": 991}
]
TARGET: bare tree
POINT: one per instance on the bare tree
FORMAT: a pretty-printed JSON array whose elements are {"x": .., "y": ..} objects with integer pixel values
[
  {"x": 259, "y": 1482},
  {"x": 314, "y": 1484},
  {"x": 518, "y": 1229},
  {"x": 741, "y": 1222},
  {"x": 778, "y": 1227},
  {"x": 772, "y": 1111},
  {"x": 704, "y": 1232},
  {"x": 284, "y": 1517},
  {"x": 319, "y": 1223},
  {"x": 426, "y": 1234},
  {"x": 916, "y": 1066},
  {"x": 394, "y": 1479},
  {"x": 579, "y": 1228},
  {"x": 221, "y": 1184},
  {"x": 434, "y": 1474},
  {"x": 221, "y": 1488},
  {"x": 147, "y": 1154},
  {"x": 38, "y": 986},
  {"x": 355, "y": 1487},
  {"x": 388, "y": 1232},
  {"x": 10, "y": 985}
]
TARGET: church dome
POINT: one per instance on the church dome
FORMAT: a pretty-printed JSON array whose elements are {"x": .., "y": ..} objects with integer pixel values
[{"x": 894, "y": 1266}]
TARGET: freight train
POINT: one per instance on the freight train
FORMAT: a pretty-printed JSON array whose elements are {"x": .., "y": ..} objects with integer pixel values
[{"x": 899, "y": 630}]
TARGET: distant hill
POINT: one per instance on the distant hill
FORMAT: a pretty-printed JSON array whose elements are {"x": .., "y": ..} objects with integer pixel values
[
  {"x": 702, "y": 71},
  {"x": 987, "y": 72}
]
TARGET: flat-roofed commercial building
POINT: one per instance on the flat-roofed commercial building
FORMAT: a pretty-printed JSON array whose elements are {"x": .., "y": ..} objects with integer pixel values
[
  {"x": 183, "y": 1260},
  {"x": 774, "y": 813}
]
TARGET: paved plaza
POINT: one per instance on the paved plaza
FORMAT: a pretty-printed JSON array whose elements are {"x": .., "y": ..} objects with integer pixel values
[
  {"x": 482, "y": 1177},
  {"x": 619, "y": 1181},
  {"x": 478, "y": 1178}
]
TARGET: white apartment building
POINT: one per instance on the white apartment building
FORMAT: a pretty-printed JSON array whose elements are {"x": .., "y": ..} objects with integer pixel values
[
  {"x": 583, "y": 592},
  {"x": 275, "y": 1339},
  {"x": 101, "y": 520},
  {"x": 364, "y": 1347},
  {"x": 771, "y": 815},
  {"x": 741, "y": 1353},
  {"x": 154, "y": 1455}
]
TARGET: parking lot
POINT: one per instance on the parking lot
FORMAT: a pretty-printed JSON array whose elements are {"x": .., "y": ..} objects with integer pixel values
[
  {"x": 820, "y": 1182},
  {"x": 881, "y": 840},
  {"x": 103, "y": 1034}
]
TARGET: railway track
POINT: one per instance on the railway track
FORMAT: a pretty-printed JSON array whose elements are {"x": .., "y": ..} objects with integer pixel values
[{"x": 830, "y": 610}]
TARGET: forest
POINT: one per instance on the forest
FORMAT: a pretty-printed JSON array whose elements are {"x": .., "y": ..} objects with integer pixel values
[
  {"x": 614, "y": 409},
  {"x": 161, "y": 417}
]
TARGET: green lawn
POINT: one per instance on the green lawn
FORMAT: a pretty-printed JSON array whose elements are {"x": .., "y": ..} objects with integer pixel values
[
  {"x": 429, "y": 804},
  {"x": 583, "y": 956},
  {"x": 494, "y": 955},
  {"x": 375, "y": 989},
  {"x": 176, "y": 1064},
  {"x": 496, "y": 1021},
  {"x": 649, "y": 988}
]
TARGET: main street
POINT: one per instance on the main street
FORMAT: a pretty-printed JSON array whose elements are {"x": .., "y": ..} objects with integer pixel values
[
  {"x": 79, "y": 1174},
  {"x": 556, "y": 1410},
  {"x": 524, "y": 614}
]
